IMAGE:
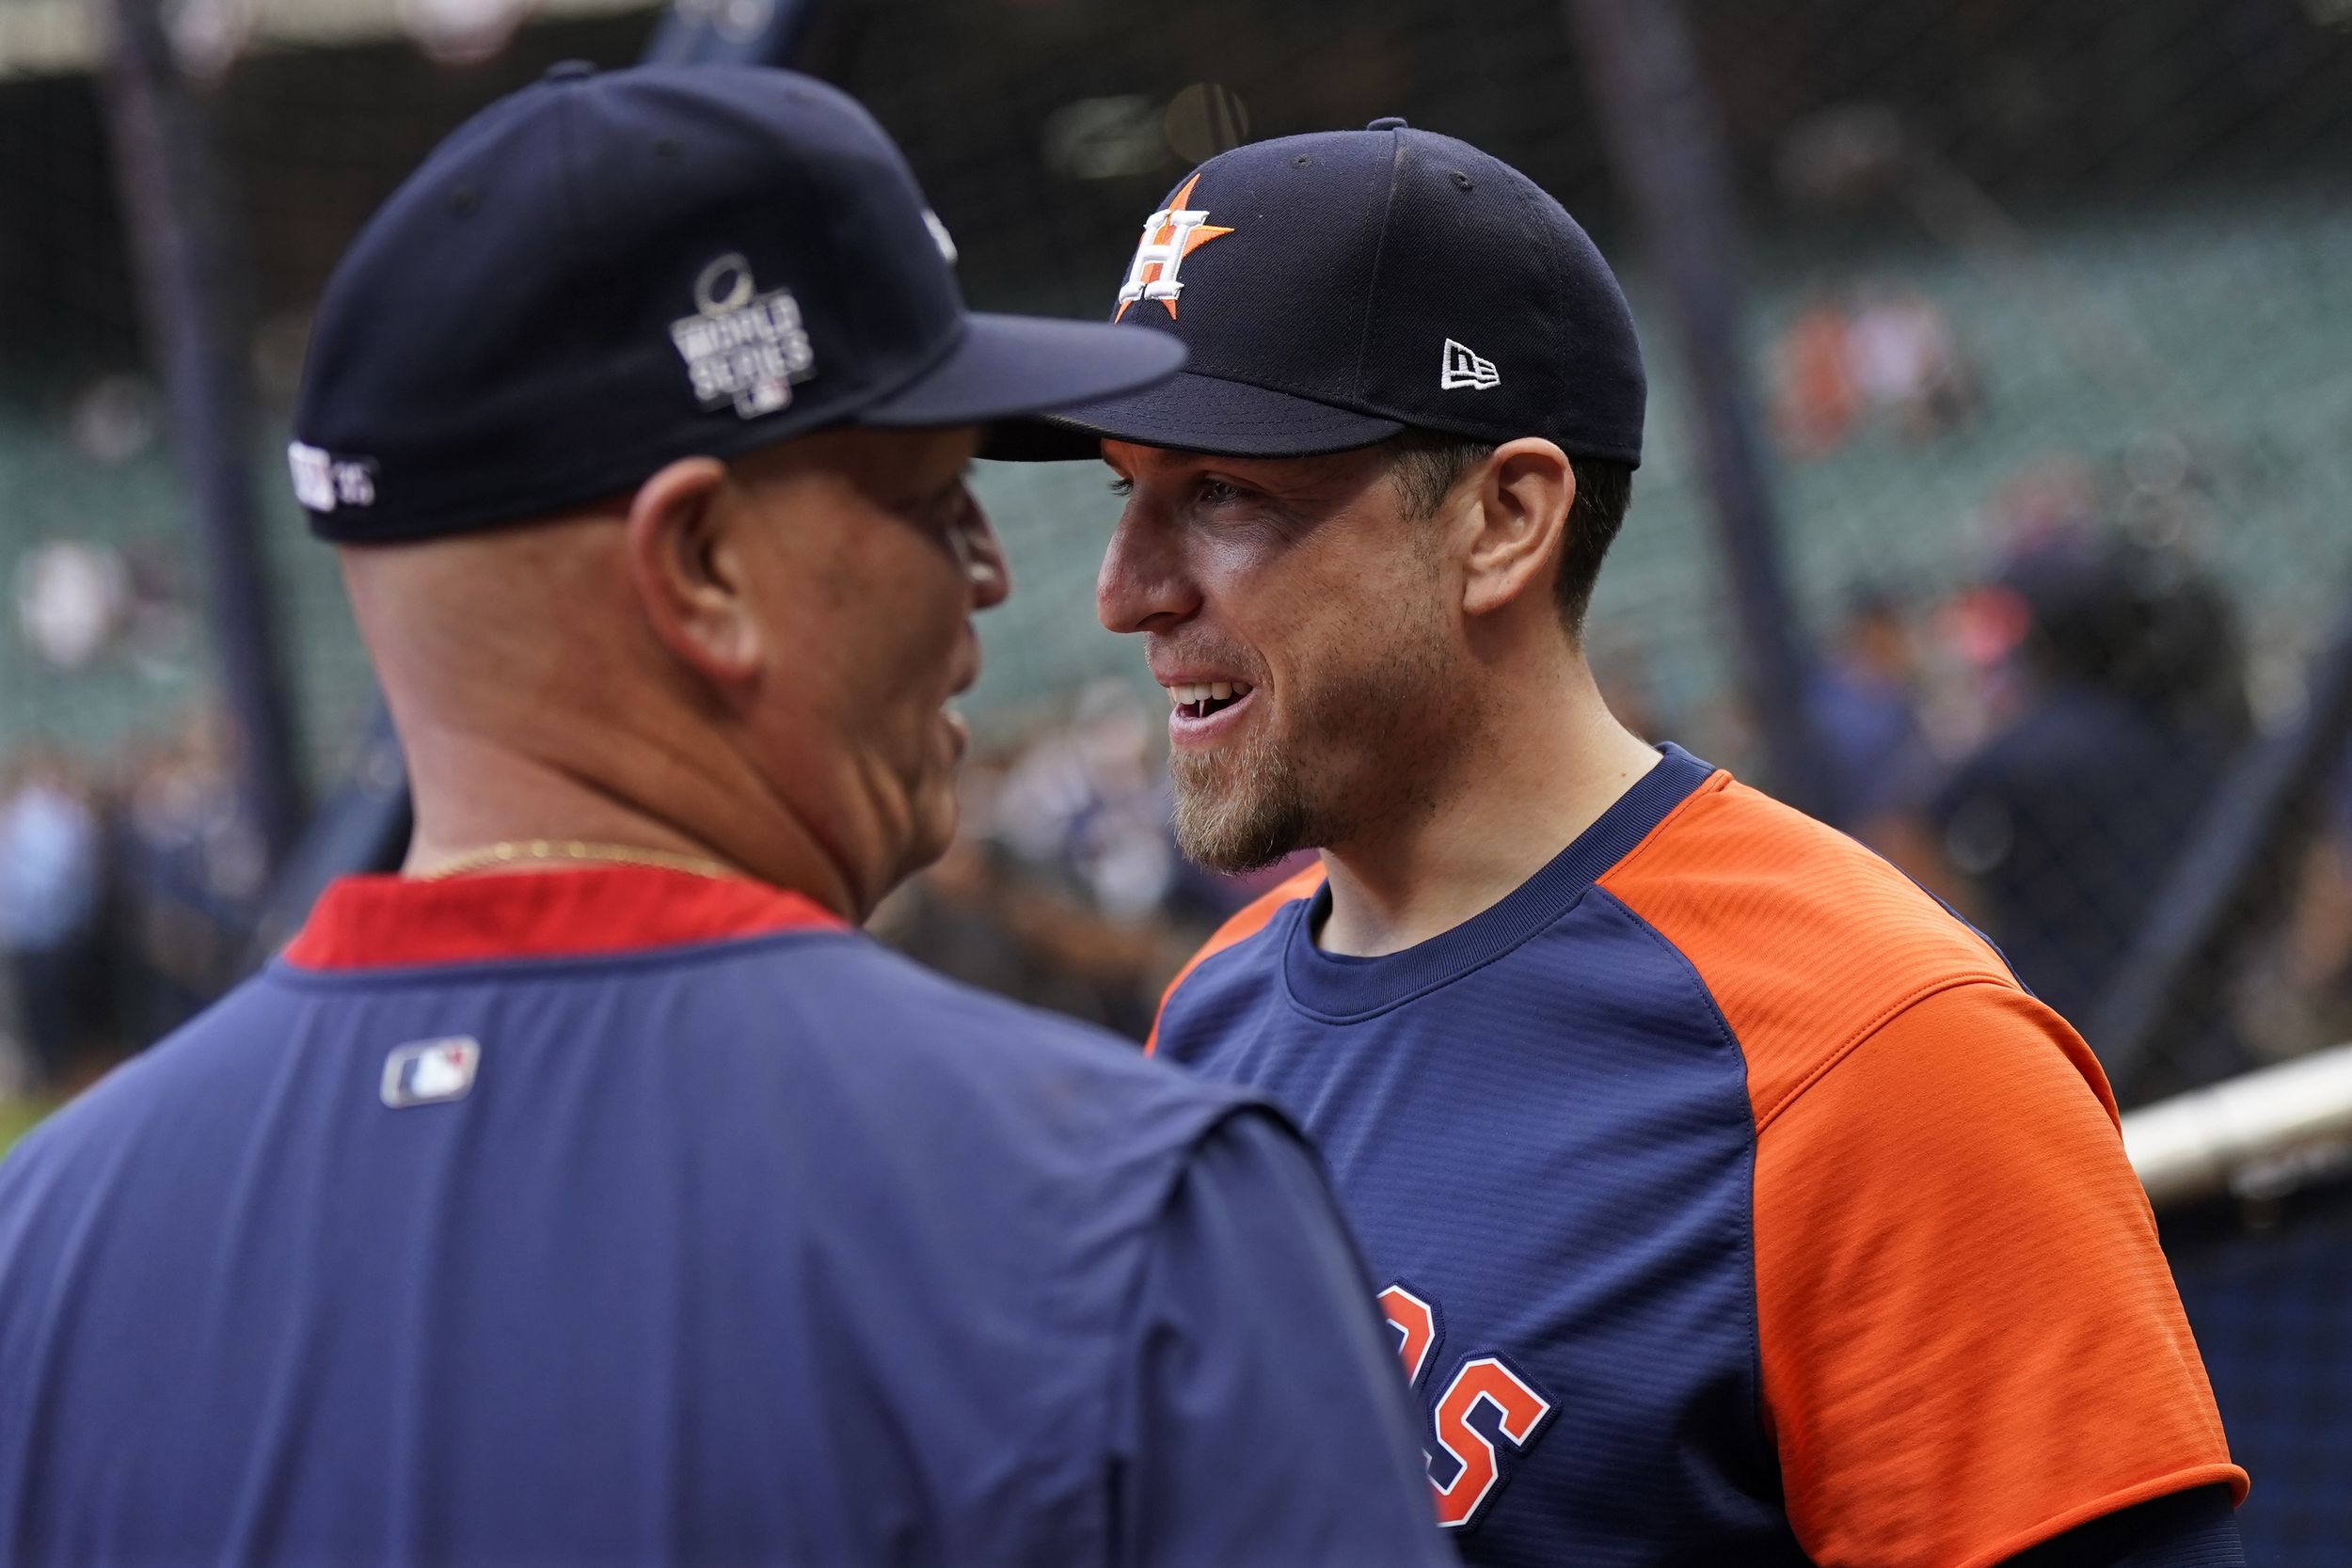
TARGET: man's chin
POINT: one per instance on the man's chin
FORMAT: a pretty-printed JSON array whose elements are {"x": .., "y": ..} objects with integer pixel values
[
  {"x": 933, "y": 832},
  {"x": 1235, "y": 827},
  {"x": 932, "y": 817}
]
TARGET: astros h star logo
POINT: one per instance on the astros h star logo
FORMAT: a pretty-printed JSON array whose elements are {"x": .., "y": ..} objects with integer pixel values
[{"x": 1169, "y": 237}]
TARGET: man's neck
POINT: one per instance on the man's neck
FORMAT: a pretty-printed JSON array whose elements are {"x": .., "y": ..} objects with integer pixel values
[
  {"x": 470, "y": 795},
  {"x": 1517, "y": 795}
]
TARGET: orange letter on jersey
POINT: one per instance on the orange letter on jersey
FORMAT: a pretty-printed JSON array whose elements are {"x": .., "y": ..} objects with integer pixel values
[
  {"x": 1415, "y": 1324},
  {"x": 1522, "y": 1411}
]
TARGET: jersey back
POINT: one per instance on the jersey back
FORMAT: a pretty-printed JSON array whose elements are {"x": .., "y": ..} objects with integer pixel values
[{"x": 762, "y": 1244}]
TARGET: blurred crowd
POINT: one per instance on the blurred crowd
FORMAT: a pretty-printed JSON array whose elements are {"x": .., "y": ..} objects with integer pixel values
[
  {"x": 1869, "y": 351},
  {"x": 128, "y": 889},
  {"x": 2039, "y": 749},
  {"x": 2035, "y": 747}
]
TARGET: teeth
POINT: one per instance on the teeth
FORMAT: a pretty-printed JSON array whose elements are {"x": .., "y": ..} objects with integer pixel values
[{"x": 1190, "y": 693}]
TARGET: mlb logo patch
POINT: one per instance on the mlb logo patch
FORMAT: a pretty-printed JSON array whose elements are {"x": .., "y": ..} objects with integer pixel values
[{"x": 430, "y": 1071}]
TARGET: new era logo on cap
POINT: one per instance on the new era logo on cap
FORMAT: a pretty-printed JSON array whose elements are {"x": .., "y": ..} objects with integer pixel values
[
  {"x": 429, "y": 1072},
  {"x": 1461, "y": 368}
]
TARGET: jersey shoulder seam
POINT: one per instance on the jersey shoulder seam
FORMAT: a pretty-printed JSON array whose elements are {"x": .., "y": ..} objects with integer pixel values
[
  {"x": 1121, "y": 1372},
  {"x": 1861, "y": 1036},
  {"x": 1273, "y": 902},
  {"x": 1708, "y": 787},
  {"x": 1239, "y": 946},
  {"x": 1759, "y": 1412}
]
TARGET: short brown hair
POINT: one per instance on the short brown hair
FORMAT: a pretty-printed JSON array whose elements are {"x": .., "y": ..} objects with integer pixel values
[{"x": 1428, "y": 464}]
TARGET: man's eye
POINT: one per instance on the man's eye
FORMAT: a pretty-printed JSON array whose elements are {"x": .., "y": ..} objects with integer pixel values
[
  {"x": 1217, "y": 492},
  {"x": 947, "y": 510},
  {"x": 1122, "y": 488}
]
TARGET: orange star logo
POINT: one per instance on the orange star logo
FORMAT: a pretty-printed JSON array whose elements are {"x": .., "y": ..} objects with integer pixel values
[{"x": 1169, "y": 237}]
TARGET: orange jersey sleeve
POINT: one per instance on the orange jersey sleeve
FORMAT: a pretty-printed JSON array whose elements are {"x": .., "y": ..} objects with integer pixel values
[{"x": 1970, "y": 1339}]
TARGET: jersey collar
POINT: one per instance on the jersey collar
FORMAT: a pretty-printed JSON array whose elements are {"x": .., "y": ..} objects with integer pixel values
[
  {"x": 399, "y": 923},
  {"x": 1338, "y": 988}
]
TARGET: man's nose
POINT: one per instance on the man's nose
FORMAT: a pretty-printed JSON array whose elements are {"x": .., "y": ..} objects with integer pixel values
[{"x": 1142, "y": 585}]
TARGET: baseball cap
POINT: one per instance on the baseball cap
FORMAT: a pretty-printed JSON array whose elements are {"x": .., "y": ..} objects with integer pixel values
[
  {"x": 608, "y": 271},
  {"x": 1333, "y": 289}
]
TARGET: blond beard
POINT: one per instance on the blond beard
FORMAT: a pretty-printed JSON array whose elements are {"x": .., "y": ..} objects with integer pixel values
[
  {"x": 1240, "y": 810},
  {"x": 1369, "y": 739}
]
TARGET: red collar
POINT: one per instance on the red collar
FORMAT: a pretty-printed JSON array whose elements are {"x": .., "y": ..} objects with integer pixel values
[{"x": 394, "y": 922}]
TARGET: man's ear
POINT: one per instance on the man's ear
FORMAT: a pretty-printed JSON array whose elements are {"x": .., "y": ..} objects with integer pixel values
[
  {"x": 1521, "y": 524},
  {"x": 688, "y": 574}
]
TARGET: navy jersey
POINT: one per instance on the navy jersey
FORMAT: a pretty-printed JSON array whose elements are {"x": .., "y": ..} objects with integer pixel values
[
  {"x": 1731, "y": 1204},
  {"x": 621, "y": 1215}
]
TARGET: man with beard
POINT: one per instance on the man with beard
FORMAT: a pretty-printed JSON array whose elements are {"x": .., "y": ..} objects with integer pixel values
[
  {"x": 1732, "y": 1201},
  {"x": 595, "y": 1192}
]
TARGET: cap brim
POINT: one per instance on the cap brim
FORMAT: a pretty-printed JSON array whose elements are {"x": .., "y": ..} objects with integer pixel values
[
  {"x": 1192, "y": 412},
  {"x": 1003, "y": 367}
]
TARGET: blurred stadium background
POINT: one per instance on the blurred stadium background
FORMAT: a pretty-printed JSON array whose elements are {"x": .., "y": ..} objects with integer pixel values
[{"x": 1998, "y": 503}]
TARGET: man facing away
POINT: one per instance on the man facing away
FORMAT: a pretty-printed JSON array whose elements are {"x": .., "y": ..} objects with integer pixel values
[
  {"x": 1731, "y": 1201},
  {"x": 595, "y": 1192}
]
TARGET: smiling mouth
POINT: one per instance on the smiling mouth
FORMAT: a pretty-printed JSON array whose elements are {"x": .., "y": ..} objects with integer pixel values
[{"x": 1200, "y": 699}]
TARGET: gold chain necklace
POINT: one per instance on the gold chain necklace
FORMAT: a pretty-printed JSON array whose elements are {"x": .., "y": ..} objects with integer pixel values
[{"x": 515, "y": 851}]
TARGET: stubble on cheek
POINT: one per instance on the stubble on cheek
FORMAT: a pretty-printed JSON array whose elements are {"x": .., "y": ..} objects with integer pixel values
[
  {"x": 1357, "y": 752},
  {"x": 1346, "y": 741}
]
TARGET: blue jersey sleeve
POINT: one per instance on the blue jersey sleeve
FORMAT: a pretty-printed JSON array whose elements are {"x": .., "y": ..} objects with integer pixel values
[
  {"x": 1265, "y": 1420},
  {"x": 2196, "y": 1528}
]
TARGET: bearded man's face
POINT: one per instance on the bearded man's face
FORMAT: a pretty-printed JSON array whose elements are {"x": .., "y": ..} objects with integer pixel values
[{"x": 1293, "y": 611}]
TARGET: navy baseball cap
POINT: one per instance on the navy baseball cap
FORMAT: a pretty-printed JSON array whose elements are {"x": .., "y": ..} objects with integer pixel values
[
  {"x": 606, "y": 272},
  {"x": 1334, "y": 289}
]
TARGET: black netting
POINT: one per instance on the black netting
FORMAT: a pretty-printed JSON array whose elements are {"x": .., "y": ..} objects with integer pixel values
[{"x": 2265, "y": 1295}]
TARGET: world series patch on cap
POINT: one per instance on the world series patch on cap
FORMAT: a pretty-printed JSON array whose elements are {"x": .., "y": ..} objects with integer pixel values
[
  {"x": 1333, "y": 289},
  {"x": 606, "y": 272}
]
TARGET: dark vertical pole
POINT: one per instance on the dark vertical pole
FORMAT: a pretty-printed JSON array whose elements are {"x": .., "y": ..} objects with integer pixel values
[
  {"x": 168, "y": 181},
  {"x": 2267, "y": 812},
  {"x": 1661, "y": 132}
]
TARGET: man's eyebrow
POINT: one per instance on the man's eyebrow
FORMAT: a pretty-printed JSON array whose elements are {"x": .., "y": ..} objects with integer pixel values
[{"x": 1305, "y": 478}]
